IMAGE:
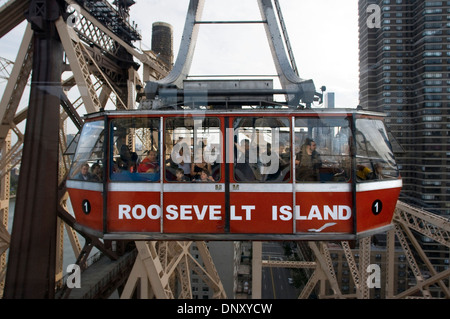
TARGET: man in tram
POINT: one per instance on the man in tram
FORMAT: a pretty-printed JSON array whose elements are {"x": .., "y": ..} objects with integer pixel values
[
  {"x": 84, "y": 174},
  {"x": 308, "y": 162}
]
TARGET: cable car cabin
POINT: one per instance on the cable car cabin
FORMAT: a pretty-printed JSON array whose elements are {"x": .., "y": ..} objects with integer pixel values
[{"x": 264, "y": 174}]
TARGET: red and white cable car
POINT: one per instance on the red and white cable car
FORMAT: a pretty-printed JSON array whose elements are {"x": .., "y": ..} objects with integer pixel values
[
  {"x": 221, "y": 160},
  {"x": 240, "y": 174}
]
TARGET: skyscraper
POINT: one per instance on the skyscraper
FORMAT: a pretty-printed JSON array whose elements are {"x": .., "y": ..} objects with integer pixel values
[{"x": 404, "y": 53}]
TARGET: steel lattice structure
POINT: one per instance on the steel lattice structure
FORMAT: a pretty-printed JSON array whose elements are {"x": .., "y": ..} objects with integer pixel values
[
  {"x": 161, "y": 267},
  {"x": 409, "y": 224}
]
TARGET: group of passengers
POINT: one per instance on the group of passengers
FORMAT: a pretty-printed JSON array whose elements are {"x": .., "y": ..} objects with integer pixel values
[
  {"x": 186, "y": 168},
  {"x": 127, "y": 164},
  {"x": 128, "y": 161},
  {"x": 183, "y": 167},
  {"x": 273, "y": 164},
  {"x": 308, "y": 163},
  {"x": 92, "y": 174}
]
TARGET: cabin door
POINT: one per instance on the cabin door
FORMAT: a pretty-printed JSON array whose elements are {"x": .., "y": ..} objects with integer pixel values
[
  {"x": 194, "y": 185},
  {"x": 259, "y": 185}
]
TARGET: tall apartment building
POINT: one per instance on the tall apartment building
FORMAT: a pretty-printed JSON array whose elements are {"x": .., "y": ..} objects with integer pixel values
[
  {"x": 405, "y": 72},
  {"x": 378, "y": 256}
]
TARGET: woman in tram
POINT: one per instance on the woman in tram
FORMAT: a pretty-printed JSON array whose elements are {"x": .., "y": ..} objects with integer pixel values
[{"x": 149, "y": 164}]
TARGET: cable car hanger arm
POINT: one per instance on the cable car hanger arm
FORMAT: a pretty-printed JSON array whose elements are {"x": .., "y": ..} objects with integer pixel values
[{"x": 299, "y": 89}]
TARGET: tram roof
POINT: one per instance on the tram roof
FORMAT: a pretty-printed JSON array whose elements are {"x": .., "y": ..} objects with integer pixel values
[{"x": 250, "y": 111}]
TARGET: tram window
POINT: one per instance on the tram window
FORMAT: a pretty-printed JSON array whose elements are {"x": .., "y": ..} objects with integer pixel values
[
  {"x": 322, "y": 151},
  {"x": 262, "y": 149},
  {"x": 193, "y": 149},
  {"x": 88, "y": 160},
  {"x": 135, "y": 149},
  {"x": 374, "y": 155}
]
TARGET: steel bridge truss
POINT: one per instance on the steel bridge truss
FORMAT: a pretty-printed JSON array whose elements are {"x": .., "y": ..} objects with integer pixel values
[
  {"x": 162, "y": 269},
  {"x": 95, "y": 74},
  {"x": 96, "y": 77},
  {"x": 427, "y": 278}
]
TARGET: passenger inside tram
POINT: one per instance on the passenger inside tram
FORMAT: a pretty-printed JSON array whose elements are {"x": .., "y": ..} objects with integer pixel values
[
  {"x": 211, "y": 154},
  {"x": 181, "y": 177},
  {"x": 182, "y": 158},
  {"x": 374, "y": 155},
  {"x": 262, "y": 149},
  {"x": 205, "y": 176},
  {"x": 378, "y": 171},
  {"x": 128, "y": 167},
  {"x": 308, "y": 162},
  {"x": 323, "y": 149},
  {"x": 365, "y": 173},
  {"x": 199, "y": 165},
  {"x": 124, "y": 174},
  {"x": 244, "y": 169},
  {"x": 96, "y": 173},
  {"x": 150, "y": 165},
  {"x": 84, "y": 174},
  {"x": 192, "y": 144},
  {"x": 128, "y": 159}
]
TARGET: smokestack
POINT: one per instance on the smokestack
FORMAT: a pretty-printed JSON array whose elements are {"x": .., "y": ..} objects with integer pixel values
[{"x": 162, "y": 42}]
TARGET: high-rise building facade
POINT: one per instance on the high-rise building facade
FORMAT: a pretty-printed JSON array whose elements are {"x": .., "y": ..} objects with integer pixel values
[{"x": 404, "y": 53}]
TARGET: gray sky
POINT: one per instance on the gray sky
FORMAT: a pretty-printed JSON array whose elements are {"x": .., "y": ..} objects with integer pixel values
[{"x": 323, "y": 35}]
